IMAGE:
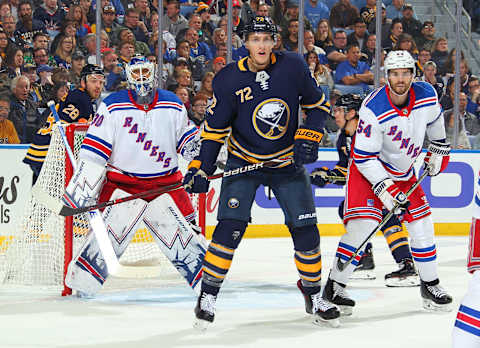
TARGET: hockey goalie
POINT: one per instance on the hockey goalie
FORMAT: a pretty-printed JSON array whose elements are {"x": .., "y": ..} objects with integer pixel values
[{"x": 132, "y": 146}]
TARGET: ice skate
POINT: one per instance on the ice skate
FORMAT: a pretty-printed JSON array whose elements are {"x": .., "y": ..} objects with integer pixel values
[
  {"x": 335, "y": 293},
  {"x": 365, "y": 267},
  {"x": 435, "y": 298},
  {"x": 405, "y": 276},
  {"x": 323, "y": 311},
  {"x": 204, "y": 311}
]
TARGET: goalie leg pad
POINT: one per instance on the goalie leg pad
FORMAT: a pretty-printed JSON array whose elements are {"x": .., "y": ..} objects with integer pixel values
[
  {"x": 423, "y": 247},
  {"x": 357, "y": 232},
  {"x": 85, "y": 184},
  {"x": 175, "y": 238}
]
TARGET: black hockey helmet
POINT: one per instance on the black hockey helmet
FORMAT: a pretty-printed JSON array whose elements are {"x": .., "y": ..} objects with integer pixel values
[
  {"x": 349, "y": 101},
  {"x": 91, "y": 69},
  {"x": 260, "y": 24}
]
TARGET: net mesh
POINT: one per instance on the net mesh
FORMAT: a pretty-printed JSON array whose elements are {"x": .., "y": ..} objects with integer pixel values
[{"x": 35, "y": 253}]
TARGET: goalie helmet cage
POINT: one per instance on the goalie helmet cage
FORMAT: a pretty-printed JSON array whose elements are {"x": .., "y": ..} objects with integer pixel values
[{"x": 44, "y": 244}]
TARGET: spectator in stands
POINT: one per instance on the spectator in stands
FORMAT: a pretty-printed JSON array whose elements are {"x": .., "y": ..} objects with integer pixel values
[
  {"x": 60, "y": 91},
  {"x": 206, "y": 88},
  {"x": 183, "y": 94},
  {"x": 426, "y": 39},
  {"x": 309, "y": 45},
  {"x": 395, "y": 31},
  {"x": 219, "y": 37},
  {"x": 320, "y": 72},
  {"x": 183, "y": 78},
  {"x": 14, "y": 61},
  {"x": 405, "y": 42},
  {"x": 368, "y": 52},
  {"x": 136, "y": 26},
  {"x": 359, "y": 35},
  {"x": 76, "y": 15},
  {"x": 291, "y": 12},
  {"x": 68, "y": 28},
  {"x": 114, "y": 72},
  {"x": 447, "y": 100},
  {"x": 198, "y": 50},
  {"x": 108, "y": 22},
  {"x": 90, "y": 44},
  {"x": 323, "y": 35},
  {"x": 64, "y": 51},
  {"x": 368, "y": 12},
  {"x": 8, "y": 134},
  {"x": 468, "y": 125},
  {"x": 353, "y": 75},
  {"x": 143, "y": 8},
  {"x": 423, "y": 57},
  {"x": 208, "y": 26},
  {"x": 23, "y": 111},
  {"x": 169, "y": 39},
  {"x": 27, "y": 26},
  {"x": 5, "y": 8},
  {"x": 411, "y": 25},
  {"x": 141, "y": 47},
  {"x": 126, "y": 51},
  {"x": 8, "y": 25},
  {"x": 386, "y": 24},
  {"x": 218, "y": 64},
  {"x": 448, "y": 69},
  {"x": 290, "y": 39},
  {"x": 173, "y": 20},
  {"x": 3, "y": 45},
  {"x": 464, "y": 75},
  {"x": 473, "y": 103},
  {"x": 43, "y": 86},
  {"x": 51, "y": 15},
  {"x": 263, "y": 9},
  {"x": 41, "y": 40},
  {"x": 199, "y": 107},
  {"x": 395, "y": 9},
  {"x": 343, "y": 15},
  {"x": 430, "y": 76},
  {"x": 238, "y": 24},
  {"x": 78, "y": 62},
  {"x": 440, "y": 52},
  {"x": 315, "y": 11},
  {"x": 88, "y": 10},
  {"x": 337, "y": 53},
  {"x": 40, "y": 57},
  {"x": 236, "y": 40}
]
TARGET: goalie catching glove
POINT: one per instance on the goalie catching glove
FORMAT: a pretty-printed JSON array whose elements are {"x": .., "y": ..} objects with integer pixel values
[
  {"x": 437, "y": 157},
  {"x": 391, "y": 195},
  {"x": 196, "y": 180},
  {"x": 305, "y": 148}
]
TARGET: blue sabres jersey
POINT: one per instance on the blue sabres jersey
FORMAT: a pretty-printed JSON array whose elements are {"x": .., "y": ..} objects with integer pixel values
[{"x": 258, "y": 111}]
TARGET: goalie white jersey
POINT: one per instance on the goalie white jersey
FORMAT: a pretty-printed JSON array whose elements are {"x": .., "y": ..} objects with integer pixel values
[
  {"x": 138, "y": 141},
  {"x": 389, "y": 139}
]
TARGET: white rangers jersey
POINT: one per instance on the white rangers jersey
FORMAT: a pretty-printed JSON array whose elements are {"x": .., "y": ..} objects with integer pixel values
[
  {"x": 140, "y": 142},
  {"x": 389, "y": 139}
]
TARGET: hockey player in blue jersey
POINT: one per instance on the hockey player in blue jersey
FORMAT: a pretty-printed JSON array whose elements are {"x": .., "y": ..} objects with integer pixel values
[
  {"x": 78, "y": 106},
  {"x": 255, "y": 104},
  {"x": 346, "y": 115}
]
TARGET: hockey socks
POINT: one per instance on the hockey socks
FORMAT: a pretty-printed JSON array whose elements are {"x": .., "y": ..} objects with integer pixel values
[
  {"x": 216, "y": 264},
  {"x": 466, "y": 332},
  {"x": 309, "y": 266}
]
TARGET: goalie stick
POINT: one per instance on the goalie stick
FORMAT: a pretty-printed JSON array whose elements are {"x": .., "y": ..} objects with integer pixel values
[
  {"x": 96, "y": 221},
  {"x": 341, "y": 265},
  {"x": 60, "y": 209}
]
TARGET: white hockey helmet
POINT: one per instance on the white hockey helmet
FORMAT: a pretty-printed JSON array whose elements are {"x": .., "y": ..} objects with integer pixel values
[
  {"x": 140, "y": 75},
  {"x": 399, "y": 60}
]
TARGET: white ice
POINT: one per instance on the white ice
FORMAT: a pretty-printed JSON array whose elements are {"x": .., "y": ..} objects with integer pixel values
[{"x": 259, "y": 306}]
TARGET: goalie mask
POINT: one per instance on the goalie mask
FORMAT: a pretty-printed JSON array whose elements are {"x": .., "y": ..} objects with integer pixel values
[
  {"x": 399, "y": 60},
  {"x": 141, "y": 76}
]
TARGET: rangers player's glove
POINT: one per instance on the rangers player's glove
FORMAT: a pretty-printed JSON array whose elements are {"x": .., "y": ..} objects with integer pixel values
[
  {"x": 437, "y": 157},
  {"x": 391, "y": 195},
  {"x": 305, "y": 149},
  {"x": 319, "y": 176},
  {"x": 195, "y": 180}
]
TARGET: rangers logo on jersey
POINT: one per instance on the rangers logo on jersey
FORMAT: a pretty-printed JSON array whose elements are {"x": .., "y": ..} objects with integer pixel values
[{"x": 270, "y": 118}]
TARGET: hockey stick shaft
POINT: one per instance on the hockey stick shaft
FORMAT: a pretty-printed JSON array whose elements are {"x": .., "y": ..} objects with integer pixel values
[
  {"x": 341, "y": 265},
  {"x": 95, "y": 218},
  {"x": 69, "y": 211}
]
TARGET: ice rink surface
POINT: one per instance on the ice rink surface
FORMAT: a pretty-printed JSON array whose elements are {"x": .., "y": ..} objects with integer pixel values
[{"x": 259, "y": 306}]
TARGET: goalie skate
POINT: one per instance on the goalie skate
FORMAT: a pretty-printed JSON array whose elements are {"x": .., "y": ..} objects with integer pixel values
[
  {"x": 405, "y": 276},
  {"x": 323, "y": 311},
  {"x": 435, "y": 298}
]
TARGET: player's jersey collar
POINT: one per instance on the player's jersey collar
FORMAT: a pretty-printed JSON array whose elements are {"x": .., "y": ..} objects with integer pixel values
[
  {"x": 143, "y": 107},
  {"x": 243, "y": 66},
  {"x": 405, "y": 111}
]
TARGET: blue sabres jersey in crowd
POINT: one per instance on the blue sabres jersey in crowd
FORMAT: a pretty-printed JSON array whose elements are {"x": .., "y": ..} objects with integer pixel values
[
  {"x": 259, "y": 110},
  {"x": 76, "y": 107}
]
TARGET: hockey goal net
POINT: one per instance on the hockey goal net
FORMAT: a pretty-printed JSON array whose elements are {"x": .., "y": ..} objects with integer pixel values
[{"x": 43, "y": 245}]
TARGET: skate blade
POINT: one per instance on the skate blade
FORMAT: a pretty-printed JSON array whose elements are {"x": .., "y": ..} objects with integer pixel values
[
  {"x": 431, "y": 306},
  {"x": 201, "y": 325},
  {"x": 363, "y": 275},
  {"x": 403, "y": 282},
  {"x": 345, "y": 311},
  {"x": 334, "y": 323}
]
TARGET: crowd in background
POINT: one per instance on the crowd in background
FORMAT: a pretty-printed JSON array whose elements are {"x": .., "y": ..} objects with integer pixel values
[{"x": 45, "y": 43}]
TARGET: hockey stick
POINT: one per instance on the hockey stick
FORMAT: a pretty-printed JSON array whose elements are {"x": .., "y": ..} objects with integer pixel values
[
  {"x": 96, "y": 221},
  {"x": 341, "y": 265},
  {"x": 60, "y": 209}
]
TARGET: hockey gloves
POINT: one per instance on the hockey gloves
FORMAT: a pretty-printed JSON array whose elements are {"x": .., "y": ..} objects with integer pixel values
[
  {"x": 305, "y": 148},
  {"x": 437, "y": 157},
  {"x": 195, "y": 180},
  {"x": 391, "y": 196},
  {"x": 322, "y": 176}
]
